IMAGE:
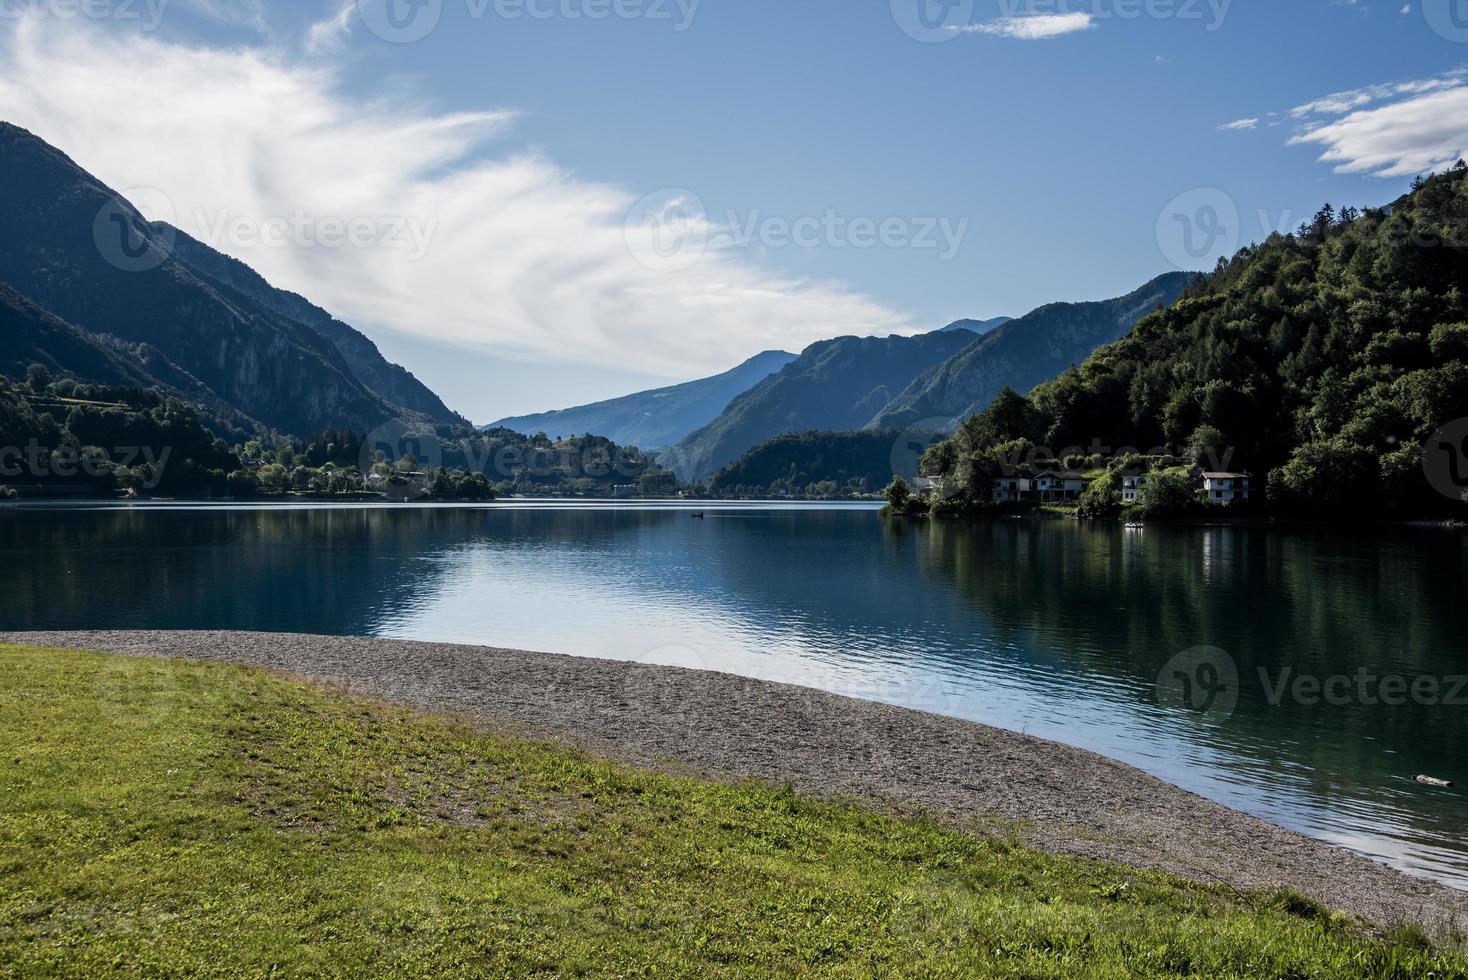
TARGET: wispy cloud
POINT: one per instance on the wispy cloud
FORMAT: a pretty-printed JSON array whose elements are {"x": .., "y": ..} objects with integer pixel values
[
  {"x": 239, "y": 13},
  {"x": 328, "y": 35},
  {"x": 526, "y": 258},
  {"x": 1032, "y": 27},
  {"x": 1394, "y": 129},
  {"x": 1407, "y": 137}
]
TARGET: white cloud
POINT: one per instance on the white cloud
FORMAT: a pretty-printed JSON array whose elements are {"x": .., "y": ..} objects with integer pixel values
[
  {"x": 525, "y": 258},
  {"x": 1032, "y": 27},
  {"x": 1396, "y": 129},
  {"x": 1340, "y": 103},
  {"x": 1418, "y": 133}
]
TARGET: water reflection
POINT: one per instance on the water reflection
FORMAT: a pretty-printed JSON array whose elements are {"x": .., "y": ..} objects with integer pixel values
[{"x": 1048, "y": 627}]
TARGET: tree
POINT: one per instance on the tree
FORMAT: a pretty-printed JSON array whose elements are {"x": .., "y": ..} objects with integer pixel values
[
  {"x": 1100, "y": 499},
  {"x": 899, "y": 495},
  {"x": 1334, "y": 476},
  {"x": 38, "y": 377},
  {"x": 1206, "y": 447},
  {"x": 1166, "y": 494},
  {"x": 273, "y": 478}
]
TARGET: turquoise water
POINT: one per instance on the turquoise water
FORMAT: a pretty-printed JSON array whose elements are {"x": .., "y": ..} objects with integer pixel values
[{"x": 1049, "y": 627}]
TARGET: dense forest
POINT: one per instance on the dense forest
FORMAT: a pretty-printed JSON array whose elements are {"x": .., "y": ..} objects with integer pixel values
[
  {"x": 812, "y": 465},
  {"x": 65, "y": 437},
  {"x": 1322, "y": 361}
]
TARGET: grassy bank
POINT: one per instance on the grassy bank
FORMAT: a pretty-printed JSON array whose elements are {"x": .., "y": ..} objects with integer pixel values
[{"x": 173, "y": 818}]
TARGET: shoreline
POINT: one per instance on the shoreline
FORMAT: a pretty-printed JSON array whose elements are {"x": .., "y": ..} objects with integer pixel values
[
  {"x": 964, "y": 775},
  {"x": 874, "y": 505}
]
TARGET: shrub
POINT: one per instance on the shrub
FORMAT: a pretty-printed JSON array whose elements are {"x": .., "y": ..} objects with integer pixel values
[{"x": 1100, "y": 499}]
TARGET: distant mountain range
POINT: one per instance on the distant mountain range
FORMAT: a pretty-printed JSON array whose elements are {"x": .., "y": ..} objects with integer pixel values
[
  {"x": 1023, "y": 353},
  {"x": 834, "y": 385},
  {"x": 980, "y": 327},
  {"x": 933, "y": 380},
  {"x": 653, "y": 420},
  {"x": 104, "y": 295}
]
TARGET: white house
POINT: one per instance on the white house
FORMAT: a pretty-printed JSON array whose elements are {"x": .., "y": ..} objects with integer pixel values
[
  {"x": 924, "y": 486},
  {"x": 1227, "y": 488},
  {"x": 1131, "y": 487},
  {"x": 1012, "y": 489},
  {"x": 1053, "y": 486}
]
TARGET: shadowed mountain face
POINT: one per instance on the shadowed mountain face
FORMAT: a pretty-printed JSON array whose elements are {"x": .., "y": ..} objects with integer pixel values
[
  {"x": 29, "y": 335},
  {"x": 393, "y": 383},
  {"x": 653, "y": 420},
  {"x": 73, "y": 247},
  {"x": 835, "y": 385},
  {"x": 1023, "y": 353}
]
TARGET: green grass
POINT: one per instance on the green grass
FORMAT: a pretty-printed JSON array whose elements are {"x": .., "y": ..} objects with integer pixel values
[{"x": 162, "y": 818}]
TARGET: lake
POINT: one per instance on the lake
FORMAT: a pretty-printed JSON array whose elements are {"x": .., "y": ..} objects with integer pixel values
[{"x": 1305, "y": 675}]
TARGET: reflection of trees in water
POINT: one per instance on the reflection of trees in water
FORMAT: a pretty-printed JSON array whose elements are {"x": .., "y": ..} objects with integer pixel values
[
  {"x": 1321, "y": 602},
  {"x": 278, "y": 570}
]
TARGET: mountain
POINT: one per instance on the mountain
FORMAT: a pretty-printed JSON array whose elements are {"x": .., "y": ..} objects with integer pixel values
[
  {"x": 30, "y": 335},
  {"x": 73, "y": 247},
  {"x": 833, "y": 385},
  {"x": 392, "y": 382},
  {"x": 980, "y": 327},
  {"x": 1331, "y": 363},
  {"x": 653, "y": 420},
  {"x": 1022, "y": 353}
]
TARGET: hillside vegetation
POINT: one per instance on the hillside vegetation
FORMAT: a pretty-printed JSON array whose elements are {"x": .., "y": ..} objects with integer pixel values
[
  {"x": 64, "y": 437},
  {"x": 817, "y": 465},
  {"x": 1322, "y": 361}
]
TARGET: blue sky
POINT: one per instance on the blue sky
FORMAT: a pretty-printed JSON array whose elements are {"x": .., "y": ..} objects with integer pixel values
[{"x": 834, "y": 174}]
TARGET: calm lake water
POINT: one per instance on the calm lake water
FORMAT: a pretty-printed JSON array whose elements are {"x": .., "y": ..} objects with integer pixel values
[{"x": 1048, "y": 627}]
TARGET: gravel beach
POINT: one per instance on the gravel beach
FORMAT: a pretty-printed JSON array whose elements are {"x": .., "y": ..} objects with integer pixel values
[{"x": 964, "y": 775}]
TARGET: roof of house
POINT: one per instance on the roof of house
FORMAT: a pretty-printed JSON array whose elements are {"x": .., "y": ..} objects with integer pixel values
[
  {"x": 1060, "y": 474},
  {"x": 1227, "y": 476}
]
